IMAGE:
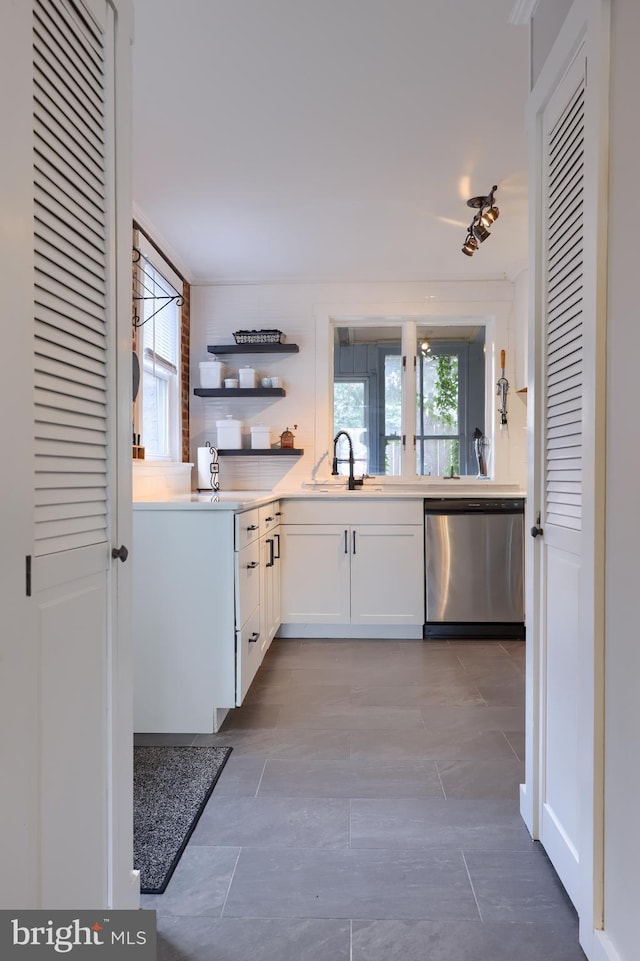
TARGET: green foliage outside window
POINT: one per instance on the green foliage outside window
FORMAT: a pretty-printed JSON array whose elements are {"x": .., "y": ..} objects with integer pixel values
[{"x": 441, "y": 405}]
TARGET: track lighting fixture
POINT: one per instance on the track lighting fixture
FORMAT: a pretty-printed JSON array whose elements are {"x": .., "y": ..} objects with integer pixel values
[
  {"x": 470, "y": 245},
  {"x": 487, "y": 214}
]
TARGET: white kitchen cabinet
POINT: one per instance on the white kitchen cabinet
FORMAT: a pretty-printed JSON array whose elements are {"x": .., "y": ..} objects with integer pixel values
[
  {"x": 361, "y": 573},
  {"x": 315, "y": 574},
  {"x": 387, "y": 582},
  {"x": 198, "y": 633}
]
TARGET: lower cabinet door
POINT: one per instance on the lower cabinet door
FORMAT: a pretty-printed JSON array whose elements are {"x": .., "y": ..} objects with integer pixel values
[
  {"x": 249, "y": 654},
  {"x": 315, "y": 574},
  {"x": 387, "y": 583}
]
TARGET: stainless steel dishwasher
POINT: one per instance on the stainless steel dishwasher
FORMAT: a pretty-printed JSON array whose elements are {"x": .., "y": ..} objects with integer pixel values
[{"x": 474, "y": 563}]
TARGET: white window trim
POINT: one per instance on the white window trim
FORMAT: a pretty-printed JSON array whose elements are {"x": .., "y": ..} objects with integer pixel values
[
  {"x": 155, "y": 259},
  {"x": 494, "y": 314}
]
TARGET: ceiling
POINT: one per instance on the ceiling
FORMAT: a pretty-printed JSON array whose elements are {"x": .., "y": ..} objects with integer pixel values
[{"x": 329, "y": 140}]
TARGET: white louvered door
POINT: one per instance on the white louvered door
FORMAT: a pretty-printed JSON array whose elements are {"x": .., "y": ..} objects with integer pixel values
[
  {"x": 74, "y": 423},
  {"x": 561, "y": 462}
]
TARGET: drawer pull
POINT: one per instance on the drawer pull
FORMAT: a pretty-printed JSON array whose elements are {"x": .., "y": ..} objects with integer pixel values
[
  {"x": 252, "y": 527},
  {"x": 253, "y": 564},
  {"x": 268, "y": 519},
  {"x": 254, "y": 637},
  {"x": 278, "y": 513}
]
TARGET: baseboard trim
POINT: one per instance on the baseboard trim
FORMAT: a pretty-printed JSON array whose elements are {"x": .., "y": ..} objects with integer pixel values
[
  {"x": 355, "y": 631},
  {"x": 603, "y": 950}
]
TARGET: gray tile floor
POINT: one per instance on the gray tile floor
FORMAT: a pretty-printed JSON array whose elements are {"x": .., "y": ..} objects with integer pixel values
[{"x": 369, "y": 812}]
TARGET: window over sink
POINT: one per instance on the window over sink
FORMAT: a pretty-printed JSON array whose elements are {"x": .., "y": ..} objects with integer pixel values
[{"x": 410, "y": 394}]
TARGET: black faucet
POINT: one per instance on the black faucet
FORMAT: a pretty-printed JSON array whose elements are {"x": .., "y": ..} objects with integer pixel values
[{"x": 353, "y": 483}]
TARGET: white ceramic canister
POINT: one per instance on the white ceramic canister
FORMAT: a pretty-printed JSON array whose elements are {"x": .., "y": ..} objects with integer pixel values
[
  {"x": 211, "y": 373},
  {"x": 247, "y": 377},
  {"x": 229, "y": 433},
  {"x": 260, "y": 437}
]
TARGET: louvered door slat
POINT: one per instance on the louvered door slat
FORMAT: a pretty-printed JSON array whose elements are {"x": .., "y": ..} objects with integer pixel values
[
  {"x": 54, "y": 310},
  {"x": 66, "y": 403},
  {"x": 59, "y": 286},
  {"x": 53, "y": 498},
  {"x": 70, "y": 251},
  {"x": 70, "y": 124},
  {"x": 62, "y": 203},
  {"x": 56, "y": 432},
  {"x": 64, "y": 63},
  {"x": 69, "y": 386},
  {"x": 66, "y": 242},
  {"x": 569, "y": 331},
  {"x": 60, "y": 154},
  {"x": 85, "y": 281},
  {"x": 70, "y": 341},
  {"x": 70, "y": 480},
  {"x": 570, "y": 199}
]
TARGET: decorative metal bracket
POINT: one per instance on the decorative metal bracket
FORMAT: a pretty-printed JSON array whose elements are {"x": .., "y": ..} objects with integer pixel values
[{"x": 148, "y": 286}]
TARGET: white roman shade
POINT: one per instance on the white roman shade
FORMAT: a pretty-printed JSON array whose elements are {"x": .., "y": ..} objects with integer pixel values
[
  {"x": 564, "y": 315},
  {"x": 70, "y": 292}
]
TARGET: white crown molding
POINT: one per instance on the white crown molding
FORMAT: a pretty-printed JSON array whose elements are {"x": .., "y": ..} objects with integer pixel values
[
  {"x": 522, "y": 11},
  {"x": 165, "y": 247}
]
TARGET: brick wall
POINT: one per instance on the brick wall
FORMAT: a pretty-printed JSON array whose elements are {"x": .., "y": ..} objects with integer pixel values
[{"x": 184, "y": 368}]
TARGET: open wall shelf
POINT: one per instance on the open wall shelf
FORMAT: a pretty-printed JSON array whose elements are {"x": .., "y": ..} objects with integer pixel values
[
  {"x": 253, "y": 348},
  {"x": 261, "y": 452},
  {"x": 239, "y": 391}
]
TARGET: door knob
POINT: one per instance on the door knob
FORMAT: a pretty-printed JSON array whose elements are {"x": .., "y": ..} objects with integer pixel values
[
  {"x": 536, "y": 531},
  {"x": 120, "y": 552}
]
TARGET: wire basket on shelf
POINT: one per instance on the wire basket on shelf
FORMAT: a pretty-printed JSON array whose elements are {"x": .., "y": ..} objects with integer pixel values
[{"x": 258, "y": 337}]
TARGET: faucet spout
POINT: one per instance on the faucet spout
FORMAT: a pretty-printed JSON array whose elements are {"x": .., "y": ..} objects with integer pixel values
[{"x": 352, "y": 483}]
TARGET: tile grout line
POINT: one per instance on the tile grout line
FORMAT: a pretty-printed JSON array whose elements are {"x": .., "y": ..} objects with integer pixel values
[
  {"x": 233, "y": 874},
  {"x": 264, "y": 767},
  {"x": 511, "y": 746},
  {"x": 473, "y": 890},
  {"x": 444, "y": 793}
]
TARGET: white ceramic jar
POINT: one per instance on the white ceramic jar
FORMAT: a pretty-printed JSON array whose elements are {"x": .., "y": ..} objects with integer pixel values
[
  {"x": 260, "y": 437},
  {"x": 211, "y": 373},
  {"x": 229, "y": 433},
  {"x": 247, "y": 376}
]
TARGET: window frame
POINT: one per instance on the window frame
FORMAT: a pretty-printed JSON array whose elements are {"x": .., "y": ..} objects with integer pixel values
[
  {"x": 494, "y": 316},
  {"x": 170, "y": 372}
]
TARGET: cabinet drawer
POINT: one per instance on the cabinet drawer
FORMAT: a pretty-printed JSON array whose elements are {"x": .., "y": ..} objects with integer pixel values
[
  {"x": 247, "y": 581},
  {"x": 269, "y": 516},
  {"x": 249, "y": 654},
  {"x": 247, "y": 527}
]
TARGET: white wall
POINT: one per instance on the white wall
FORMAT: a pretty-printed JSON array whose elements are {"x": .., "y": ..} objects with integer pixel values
[
  {"x": 302, "y": 311},
  {"x": 622, "y": 652}
]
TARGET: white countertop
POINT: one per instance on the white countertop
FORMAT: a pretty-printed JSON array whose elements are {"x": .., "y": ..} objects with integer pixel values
[{"x": 243, "y": 500}]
